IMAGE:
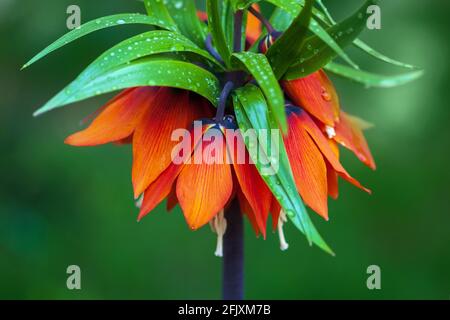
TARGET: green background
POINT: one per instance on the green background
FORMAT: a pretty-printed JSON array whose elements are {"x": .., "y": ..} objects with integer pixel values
[{"x": 61, "y": 205}]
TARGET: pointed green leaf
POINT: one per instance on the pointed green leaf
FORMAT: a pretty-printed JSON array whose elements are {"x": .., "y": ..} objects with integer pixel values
[
  {"x": 294, "y": 7},
  {"x": 216, "y": 30},
  {"x": 145, "y": 44},
  {"x": 258, "y": 65},
  {"x": 372, "y": 79},
  {"x": 288, "y": 47},
  {"x": 158, "y": 10},
  {"x": 378, "y": 55},
  {"x": 317, "y": 53},
  {"x": 184, "y": 13},
  {"x": 146, "y": 72},
  {"x": 251, "y": 113},
  {"x": 98, "y": 24}
]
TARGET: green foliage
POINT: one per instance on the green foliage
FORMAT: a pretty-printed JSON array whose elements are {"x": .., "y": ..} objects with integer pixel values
[
  {"x": 252, "y": 113},
  {"x": 178, "y": 55}
]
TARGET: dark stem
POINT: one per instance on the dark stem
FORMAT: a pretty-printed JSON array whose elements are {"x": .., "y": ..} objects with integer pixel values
[
  {"x": 233, "y": 254},
  {"x": 223, "y": 100},
  {"x": 237, "y": 38},
  {"x": 263, "y": 20}
]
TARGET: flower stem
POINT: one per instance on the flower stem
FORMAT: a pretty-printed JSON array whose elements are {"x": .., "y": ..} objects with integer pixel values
[
  {"x": 263, "y": 20},
  {"x": 233, "y": 254}
]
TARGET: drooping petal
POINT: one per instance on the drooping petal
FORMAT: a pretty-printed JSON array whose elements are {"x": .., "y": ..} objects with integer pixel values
[
  {"x": 117, "y": 120},
  {"x": 172, "y": 200},
  {"x": 324, "y": 146},
  {"x": 308, "y": 166},
  {"x": 159, "y": 189},
  {"x": 349, "y": 134},
  {"x": 152, "y": 142},
  {"x": 252, "y": 185},
  {"x": 204, "y": 187},
  {"x": 333, "y": 182},
  {"x": 317, "y": 95},
  {"x": 246, "y": 209}
]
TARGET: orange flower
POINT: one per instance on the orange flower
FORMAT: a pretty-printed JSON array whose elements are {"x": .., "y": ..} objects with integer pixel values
[
  {"x": 147, "y": 117},
  {"x": 316, "y": 94},
  {"x": 205, "y": 187}
]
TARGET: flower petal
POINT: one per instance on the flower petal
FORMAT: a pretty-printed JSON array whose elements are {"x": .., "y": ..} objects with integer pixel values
[
  {"x": 252, "y": 185},
  {"x": 254, "y": 28},
  {"x": 152, "y": 141},
  {"x": 117, "y": 119},
  {"x": 275, "y": 210},
  {"x": 203, "y": 189},
  {"x": 246, "y": 209},
  {"x": 308, "y": 166},
  {"x": 317, "y": 95},
  {"x": 324, "y": 146},
  {"x": 350, "y": 135},
  {"x": 164, "y": 184}
]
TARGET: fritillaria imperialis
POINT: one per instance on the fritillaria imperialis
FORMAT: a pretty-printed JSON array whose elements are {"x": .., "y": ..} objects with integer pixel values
[{"x": 230, "y": 68}]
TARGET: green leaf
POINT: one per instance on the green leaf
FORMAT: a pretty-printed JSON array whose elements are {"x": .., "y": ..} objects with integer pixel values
[
  {"x": 157, "y": 9},
  {"x": 288, "y": 47},
  {"x": 98, "y": 24},
  {"x": 251, "y": 113},
  {"x": 184, "y": 13},
  {"x": 242, "y": 4},
  {"x": 328, "y": 19},
  {"x": 293, "y": 8},
  {"x": 372, "y": 79},
  {"x": 216, "y": 30},
  {"x": 146, "y": 72},
  {"x": 378, "y": 55},
  {"x": 281, "y": 19},
  {"x": 145, "y": 44},
  {"x": 318, "y": 53},
  {"x": 258, "y": 65}
]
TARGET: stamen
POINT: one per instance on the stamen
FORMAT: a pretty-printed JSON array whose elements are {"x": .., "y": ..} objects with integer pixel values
[
  {"x": 331, "y": 133},
  {"x": 219, "y": 226},
  {"x": 281, "y": 221},
  {"x": 139, "y": 201}
]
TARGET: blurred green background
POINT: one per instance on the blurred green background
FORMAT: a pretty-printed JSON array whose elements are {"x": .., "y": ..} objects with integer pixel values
[{"x": 61, "y": 205}]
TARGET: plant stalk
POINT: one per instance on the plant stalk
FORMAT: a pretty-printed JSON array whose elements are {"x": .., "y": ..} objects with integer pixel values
[{"x": 233, "y": 254}]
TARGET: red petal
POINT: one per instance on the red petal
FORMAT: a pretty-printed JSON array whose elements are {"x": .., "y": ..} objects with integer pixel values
[
  {"x": 246, "y": 209},
  {"x": 252, "y": 185},
  {"x": 117, "y": 120},
  {"x": 350, "y": 135},
  {"x": 204, "y": 189},
  {"x": 327, "y": 151},
  {"x": 172, "y": 200},
  {"x": 317, "y": 95},
  {"x": 162, "y": 186},
  {"x": 308, "y": 166},
  {"x": 152, "y": 141}
]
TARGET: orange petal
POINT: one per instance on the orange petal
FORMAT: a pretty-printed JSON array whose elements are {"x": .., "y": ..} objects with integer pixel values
[
  {"x": 203, "y": 189},
  {"x": 172, "y": 200},
  {"x": 333, "y": 182},
  {"x": 159, "y": 189},
  {"x": 252, "y": 185},
  {"x": 117, "y": 120},
  {"x": 308, "y": 166},
  {"x": 316, "y": 94},
  {"x": 324, "y": 146},
  {"x": 350, "y": 135},
  {"x": 254, "y": 29},
  {"x": 246, "y": 209},
  {"x": 152, "y": 141},
  {"x": 162, "y": 186}
]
